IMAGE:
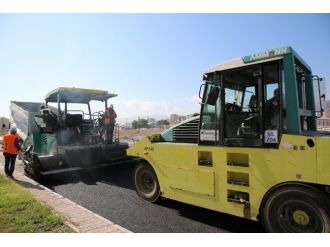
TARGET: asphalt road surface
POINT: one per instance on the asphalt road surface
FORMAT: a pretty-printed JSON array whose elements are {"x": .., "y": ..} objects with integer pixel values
[{"x": 109, "y": 192}]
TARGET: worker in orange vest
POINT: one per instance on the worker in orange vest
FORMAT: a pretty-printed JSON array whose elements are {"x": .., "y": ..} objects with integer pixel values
[
  {"x": 10, "y": 145},
  {"x": 109, "y": 121}
]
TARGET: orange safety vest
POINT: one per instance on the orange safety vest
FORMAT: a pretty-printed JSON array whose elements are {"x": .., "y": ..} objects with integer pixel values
[
  {"x": 109, "y": 116},
  {"x": 8, "y": 144}
]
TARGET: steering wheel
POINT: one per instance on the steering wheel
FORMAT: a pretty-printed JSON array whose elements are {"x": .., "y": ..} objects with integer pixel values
[{"x": 98, "y": 118}]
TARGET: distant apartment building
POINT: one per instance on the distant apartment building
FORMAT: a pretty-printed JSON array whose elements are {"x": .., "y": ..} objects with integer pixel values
[
  {"x": 327, "y": 113},
  {"x": 324, "y": 121},
  {"x": 182, "y": 118},
  {"x": 174, "y": 119},
  {"x": 327, "y": 109}
]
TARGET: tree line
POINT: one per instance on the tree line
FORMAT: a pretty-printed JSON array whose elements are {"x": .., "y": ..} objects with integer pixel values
[{"x": 144, "y": 123}]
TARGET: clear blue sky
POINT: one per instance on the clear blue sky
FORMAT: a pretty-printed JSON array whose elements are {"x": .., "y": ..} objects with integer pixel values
[{"x": 154, "y": 62}]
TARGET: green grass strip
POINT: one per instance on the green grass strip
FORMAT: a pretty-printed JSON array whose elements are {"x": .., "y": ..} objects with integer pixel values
[{"x": 21, "y": 212}]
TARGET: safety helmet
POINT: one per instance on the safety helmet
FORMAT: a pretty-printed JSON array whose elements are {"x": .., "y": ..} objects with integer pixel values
[{"x": 13, "y": 130}]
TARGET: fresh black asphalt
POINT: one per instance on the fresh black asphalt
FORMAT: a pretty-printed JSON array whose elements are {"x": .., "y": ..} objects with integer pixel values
[{"x": 109, "y": 192}]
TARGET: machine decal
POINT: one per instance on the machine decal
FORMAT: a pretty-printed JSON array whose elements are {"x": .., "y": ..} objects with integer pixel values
[
  {"x": 271, "y": 136},
  {"x": 148, "y": 148},
  {"x": 267, "y": 54},
  {"x": 208, "y": 135}
]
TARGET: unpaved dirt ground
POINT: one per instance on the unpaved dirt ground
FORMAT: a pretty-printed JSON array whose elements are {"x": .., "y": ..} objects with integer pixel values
[
  {"x": 130, "y": 133},
  {"x": 133, "y": 135}
]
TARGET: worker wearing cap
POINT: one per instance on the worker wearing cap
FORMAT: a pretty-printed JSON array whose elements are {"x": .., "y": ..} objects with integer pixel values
[
  {"x": 109, "y": 121},
  {"x": 10, "y": 145}
]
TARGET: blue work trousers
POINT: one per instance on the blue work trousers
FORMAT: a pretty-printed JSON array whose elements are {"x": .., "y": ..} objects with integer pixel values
[
  {"x": 10, "y": 160},
  {"x": 110, "y": 129}
]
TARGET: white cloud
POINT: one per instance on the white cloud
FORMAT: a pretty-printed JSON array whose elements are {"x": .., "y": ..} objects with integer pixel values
[{"x": 193, "y": 98}]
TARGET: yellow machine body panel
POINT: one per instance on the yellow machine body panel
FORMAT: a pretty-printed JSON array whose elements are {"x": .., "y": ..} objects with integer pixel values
[
  {"x": 323, "y": 160},
  {"x": 233, "y": 180}
]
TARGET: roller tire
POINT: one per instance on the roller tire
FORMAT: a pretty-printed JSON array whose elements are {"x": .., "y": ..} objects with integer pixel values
[
  {"x": 146, "y": 182},
  {"x": 296, "y": 209}
]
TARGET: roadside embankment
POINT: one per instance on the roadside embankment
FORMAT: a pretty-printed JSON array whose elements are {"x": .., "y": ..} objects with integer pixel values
[{"x": 21, "y": 212}]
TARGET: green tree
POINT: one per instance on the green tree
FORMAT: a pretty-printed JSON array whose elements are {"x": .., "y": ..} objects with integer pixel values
[
  {"x": 141, "y": 123},
  {"x": 135, "y": 124},
  {"x": 162, "y": 122}
]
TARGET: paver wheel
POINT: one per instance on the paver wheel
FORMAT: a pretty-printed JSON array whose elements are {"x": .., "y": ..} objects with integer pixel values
[
  {"x": 146, "y": 182},
  {"x": 32, "y": 166},
  {"x": 296, "y": 209}
]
